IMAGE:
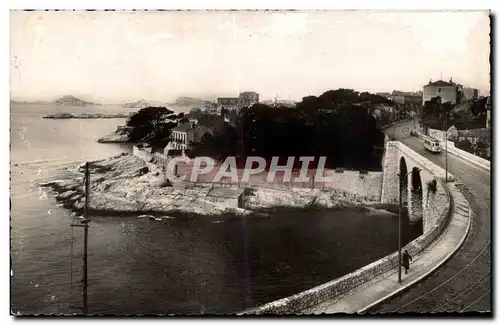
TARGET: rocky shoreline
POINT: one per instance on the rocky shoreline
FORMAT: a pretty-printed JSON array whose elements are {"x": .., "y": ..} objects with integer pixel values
[
  {"x": 126, "y": 185},
  {"x": 114, "y": 137},
  {"x": 85, "y": 116}
]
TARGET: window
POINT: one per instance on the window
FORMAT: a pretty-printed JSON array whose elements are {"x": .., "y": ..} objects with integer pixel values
[{"x": 439, "y": 90}]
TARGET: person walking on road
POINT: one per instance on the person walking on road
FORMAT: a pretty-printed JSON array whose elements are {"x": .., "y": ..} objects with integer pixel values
[{"x": 406, "y": 261}]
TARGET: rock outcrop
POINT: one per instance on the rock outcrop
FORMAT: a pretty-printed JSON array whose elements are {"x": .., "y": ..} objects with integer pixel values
[{"x": 126, "y": 184}]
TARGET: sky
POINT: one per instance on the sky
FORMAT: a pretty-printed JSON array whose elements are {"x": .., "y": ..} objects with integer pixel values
[{"x": 117, "y": 57}]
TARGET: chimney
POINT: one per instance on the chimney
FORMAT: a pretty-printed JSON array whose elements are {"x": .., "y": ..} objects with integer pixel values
[{"x": 451, "y": 80}]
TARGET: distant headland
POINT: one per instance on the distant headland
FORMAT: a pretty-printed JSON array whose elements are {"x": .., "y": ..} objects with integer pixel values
[
  {"x": 63, "y": 101},
  {"x": 72, "y": 101}
]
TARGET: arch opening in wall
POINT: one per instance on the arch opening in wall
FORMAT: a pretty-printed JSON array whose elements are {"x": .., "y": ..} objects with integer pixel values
[
  {"x": 416, "y": 196},
  {"x": 403, "y": 180}
]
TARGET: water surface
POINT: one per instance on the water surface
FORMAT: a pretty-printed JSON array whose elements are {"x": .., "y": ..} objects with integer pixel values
[{"x": 185, "y": 264}]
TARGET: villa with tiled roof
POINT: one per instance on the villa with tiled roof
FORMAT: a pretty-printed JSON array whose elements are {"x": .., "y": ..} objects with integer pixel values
[{"x": 446, "y": 90}]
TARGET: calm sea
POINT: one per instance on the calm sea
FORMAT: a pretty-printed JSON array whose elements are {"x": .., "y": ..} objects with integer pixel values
[{"x": 181, "y": 265}]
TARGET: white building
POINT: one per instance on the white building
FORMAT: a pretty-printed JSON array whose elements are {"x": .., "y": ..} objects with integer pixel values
[
  {"x": 210, "y": 108},
  {"x": 244, "y": 99},
  {"x": 446, "y": 90},
  {"x": 183, "y": 135},
  {"x": 227, "y": 103},
  {"x": 247, "y": 99}
]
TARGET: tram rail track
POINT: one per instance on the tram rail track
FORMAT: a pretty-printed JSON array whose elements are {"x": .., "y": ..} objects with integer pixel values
[{"x": 462, "y": 284}]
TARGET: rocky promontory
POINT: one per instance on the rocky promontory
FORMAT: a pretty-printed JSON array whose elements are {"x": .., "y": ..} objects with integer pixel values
[
  {"x": 114, "y": 137},
  {"x": 125, "y": 184},
  {"x": 121, "y": 135}
]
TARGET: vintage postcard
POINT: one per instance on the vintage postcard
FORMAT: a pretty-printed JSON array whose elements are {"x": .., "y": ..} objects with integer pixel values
[{"x": 284, "y": 162}]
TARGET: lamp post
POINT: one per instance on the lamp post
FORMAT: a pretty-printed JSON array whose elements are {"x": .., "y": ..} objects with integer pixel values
[{"x": 401, "y": 177}]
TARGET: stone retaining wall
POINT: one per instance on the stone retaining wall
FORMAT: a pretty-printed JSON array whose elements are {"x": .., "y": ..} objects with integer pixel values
[
  {"x": 361, "y": 185},
  {"x": 142, "y": 153}
]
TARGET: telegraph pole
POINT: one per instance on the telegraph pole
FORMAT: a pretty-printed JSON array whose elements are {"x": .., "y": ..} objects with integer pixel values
[
  {"x": 85, "y": 224},
  {"x": 85, "y": 240},
  {"x": 399, "y": 226},
  {"x": 445, "y": 127}
]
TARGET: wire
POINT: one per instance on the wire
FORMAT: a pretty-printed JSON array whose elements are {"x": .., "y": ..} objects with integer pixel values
[
  {"x": 468, "y": 288},
  {"x": 72, "y": 239},
  {"x": 449, "y": 279},
  {"x": 71, "y": 263},
  {"x": 475, "y": 301}
]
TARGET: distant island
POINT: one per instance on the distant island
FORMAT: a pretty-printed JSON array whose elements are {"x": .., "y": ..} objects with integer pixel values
[
  {"x": 85, "y": 116},
  {"x": 138, "y": 104},
  {"x": 189, "y": 101},
  {"x": 63, "y": 101},
  {"x": 71, "y": 101}
]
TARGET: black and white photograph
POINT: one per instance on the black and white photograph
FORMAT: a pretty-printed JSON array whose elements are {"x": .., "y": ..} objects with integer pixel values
[{"x": 250, "y": 162}]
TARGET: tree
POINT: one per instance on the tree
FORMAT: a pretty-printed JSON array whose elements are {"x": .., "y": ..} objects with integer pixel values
[
  {"x": 435, "y": 113},
  {"x": 147, "y": 121},
  {"x": 478, "y": 106},
  {"x": 218, "y": 147},
  {"x": 335, "y": 124}
]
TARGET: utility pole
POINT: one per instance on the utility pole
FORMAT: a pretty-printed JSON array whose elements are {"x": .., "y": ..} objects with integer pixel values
[
  {"x": 85, "y": 224},
  {"x": 399, "y": 226},
  {"x": 445, "y": 127},
  {"x": 85, "y": 240}
]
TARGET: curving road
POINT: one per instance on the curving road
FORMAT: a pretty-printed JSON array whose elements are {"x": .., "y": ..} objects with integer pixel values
[{"x": 463, "y": 283}]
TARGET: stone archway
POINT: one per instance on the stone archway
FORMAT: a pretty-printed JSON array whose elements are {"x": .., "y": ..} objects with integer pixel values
[
  {"x": 416, "y": 196},
  {"x": 403, "y": 180}
]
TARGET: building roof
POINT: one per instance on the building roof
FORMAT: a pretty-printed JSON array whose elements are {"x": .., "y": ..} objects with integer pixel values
[
  {"x": 406, "y": 93},
  {"x": 249, "y": 94},
  {"x": 200, "y": 131},
  {"x": 182, "y": 127},
  {"x": 440, "y": 83},
  {"x": 227, "y": 100}
]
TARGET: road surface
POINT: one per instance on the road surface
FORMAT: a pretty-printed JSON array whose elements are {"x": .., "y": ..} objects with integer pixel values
[{"x": 463, "y": 283}]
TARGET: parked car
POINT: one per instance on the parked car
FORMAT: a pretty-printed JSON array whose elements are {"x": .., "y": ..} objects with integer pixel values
[{"x": 413, "y": 132}]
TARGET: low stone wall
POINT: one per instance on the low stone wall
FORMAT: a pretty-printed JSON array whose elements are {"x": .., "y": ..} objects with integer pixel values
[
  {"x": 367, "y": 185},
  {"x": 438, "y": 134},
  {"x": 336, "y": 289},
  {"x": 486, "y": 164},
  {"x": 441, "y": 135},
  {"x": 423, "y": 162},
  {"x": 142, "y": 153}
]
